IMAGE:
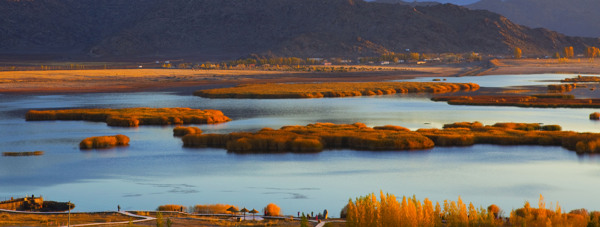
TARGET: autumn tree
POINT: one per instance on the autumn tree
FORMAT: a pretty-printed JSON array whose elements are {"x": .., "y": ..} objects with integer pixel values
[
  {"x": 414, "y": 56},
  {"x": 568, "y": 52},
  {"x": 592, "y": 52},
  {"x": 556, "y": 55},
  {"x": 518, "y": 53}
]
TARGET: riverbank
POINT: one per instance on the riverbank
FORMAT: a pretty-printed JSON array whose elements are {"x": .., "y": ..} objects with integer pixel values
[{"x": 135, "y": 80}]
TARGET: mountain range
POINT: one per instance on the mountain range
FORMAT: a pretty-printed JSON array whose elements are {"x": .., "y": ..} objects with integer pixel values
[
  {"x": 215, "y": 29},
  {"x": 571, "y": 17}
]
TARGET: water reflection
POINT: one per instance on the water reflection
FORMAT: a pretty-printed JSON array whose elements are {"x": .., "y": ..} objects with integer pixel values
[{"x": 156, "y": 170}]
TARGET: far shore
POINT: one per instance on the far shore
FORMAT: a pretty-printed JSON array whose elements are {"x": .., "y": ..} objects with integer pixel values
[{"x": 187, "y": 80}]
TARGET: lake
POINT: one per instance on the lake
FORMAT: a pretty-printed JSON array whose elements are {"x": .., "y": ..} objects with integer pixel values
[{"x": 155, "y": 169}]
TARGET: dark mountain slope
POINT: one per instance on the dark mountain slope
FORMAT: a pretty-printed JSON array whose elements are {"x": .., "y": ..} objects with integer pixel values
[
  {"x": 116, "y": 28},
  {"x": 572, "y": 17}
]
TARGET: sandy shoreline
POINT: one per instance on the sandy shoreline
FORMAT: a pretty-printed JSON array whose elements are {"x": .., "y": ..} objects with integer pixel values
[{"x": 187, "y": 80}]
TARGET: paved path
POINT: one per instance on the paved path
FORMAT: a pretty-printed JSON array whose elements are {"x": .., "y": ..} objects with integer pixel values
[{"x": 321, "y": 224}]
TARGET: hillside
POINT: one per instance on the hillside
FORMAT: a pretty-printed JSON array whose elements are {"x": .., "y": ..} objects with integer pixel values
[
  {"x": 572, "y": 17},
  {"x": 216, "y": 29}
]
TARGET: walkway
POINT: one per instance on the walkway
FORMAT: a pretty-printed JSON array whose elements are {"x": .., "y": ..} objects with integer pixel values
[{"x": 143, "y": 218}]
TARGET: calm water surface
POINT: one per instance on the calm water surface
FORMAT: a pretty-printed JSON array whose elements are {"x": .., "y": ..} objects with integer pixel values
[{"x": 156, "y": 170}]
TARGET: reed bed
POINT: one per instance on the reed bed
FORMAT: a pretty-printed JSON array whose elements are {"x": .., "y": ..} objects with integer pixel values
[
  {"x": 319, "y": 136},
  {"x": 170, "y": 207},
  {"x": 313, "y": 138},
  {"x": 561, "y": 87},
  {"x": 132, "y": 117},
  {"x": 580, "y": 78},
  {"x": 99, "y": 142},
  {"x": 340, "y": 89},
  {"x": 520, "y": 101},
  {"x": 23, "y": 153},
  {"x": 182, "y": 131},
  {"x": 513, "y": 134}
]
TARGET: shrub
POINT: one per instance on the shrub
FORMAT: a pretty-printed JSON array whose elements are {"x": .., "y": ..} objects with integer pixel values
[
  {"x": 182, "y": 131},
  {"x": 272, "y": 210},
  {"x": 213, "y": 209},
  {"x": 104, "y": 142},
  {"x": 551, "y": 128},
  {"x": 170, "y": 207}
]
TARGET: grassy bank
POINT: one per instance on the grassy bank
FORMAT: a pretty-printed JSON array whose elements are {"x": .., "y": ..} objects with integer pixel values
[
  {"x": 320, "y": 90},
  {"x": 132, "y": 117}
]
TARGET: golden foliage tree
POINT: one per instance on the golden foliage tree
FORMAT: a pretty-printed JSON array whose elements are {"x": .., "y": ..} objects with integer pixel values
[
  {"x": 518, "y": 53},
  {"x": 272, "y": 210},
  {"x": 592, "y": 52},
  {"x": 568, "y": 52},
  {"x": 387, "y": 211}
]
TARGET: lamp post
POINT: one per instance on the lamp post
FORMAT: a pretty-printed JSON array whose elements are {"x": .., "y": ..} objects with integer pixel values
[{"x": 69, "y": 222}]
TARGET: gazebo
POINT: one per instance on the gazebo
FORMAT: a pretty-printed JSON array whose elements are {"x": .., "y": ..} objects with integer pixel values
[
  {"x": 253, "y": 211},
  {"x": 244, "y": 210},
  {"x": 233, "y": 210}
]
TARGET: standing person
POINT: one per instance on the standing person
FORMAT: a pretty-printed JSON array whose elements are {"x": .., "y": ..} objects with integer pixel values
[{"x": 119, "y": 208}]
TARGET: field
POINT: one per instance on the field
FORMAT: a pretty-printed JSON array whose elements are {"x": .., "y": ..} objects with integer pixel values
[
  {"x": 320, "y": 90},
  {"x": 540, "y": 66},
  {"x": 175, "y": 218},
  {"x": 22, "y": 219},
  {"x": 132, "y": 117}
]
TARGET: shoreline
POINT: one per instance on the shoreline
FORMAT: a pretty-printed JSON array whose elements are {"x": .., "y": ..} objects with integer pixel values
[{"x": 187, "y": 80}]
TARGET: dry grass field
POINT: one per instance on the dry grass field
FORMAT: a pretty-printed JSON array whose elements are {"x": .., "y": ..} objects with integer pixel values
[
  {"x": 320, "y": 90},
  {"x": 538, "y": 66},
  {"x": 125, "y": 80},
  {"x": 133, "y": 117},
  {"x": 19, "y": 219},
  {"x": 176, "y": 219}
]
